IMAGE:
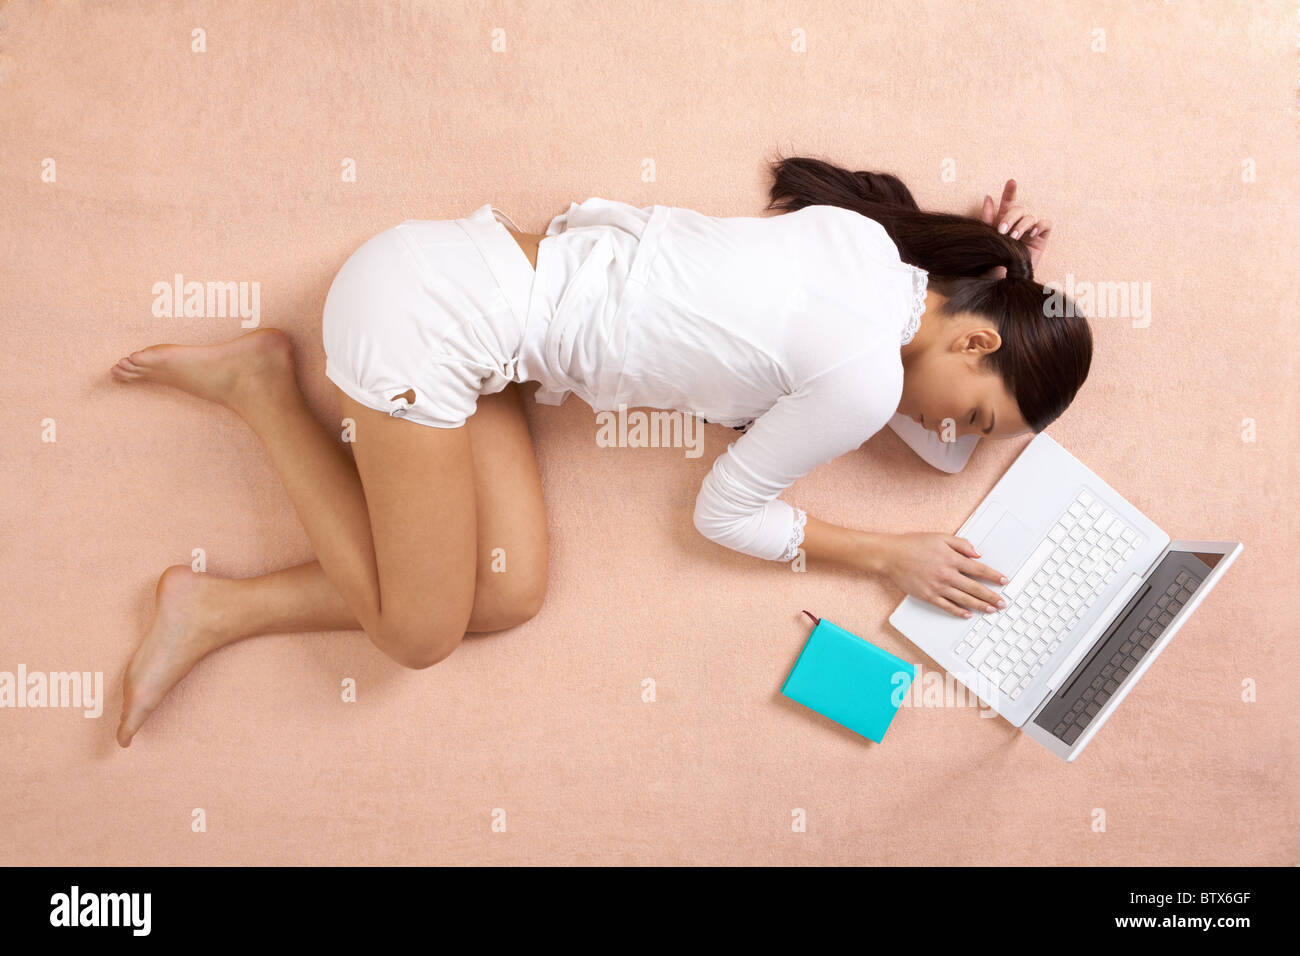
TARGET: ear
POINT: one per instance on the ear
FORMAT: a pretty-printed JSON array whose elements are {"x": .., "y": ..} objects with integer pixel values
[{"x": 979, "y": 341}]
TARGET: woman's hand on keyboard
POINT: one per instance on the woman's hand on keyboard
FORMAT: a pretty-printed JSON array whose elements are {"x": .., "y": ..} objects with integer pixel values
[{"x": 940, "y": 569}]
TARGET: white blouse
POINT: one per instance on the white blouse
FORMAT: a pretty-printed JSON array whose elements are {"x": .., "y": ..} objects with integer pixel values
[{"x": 787, "y": 326}]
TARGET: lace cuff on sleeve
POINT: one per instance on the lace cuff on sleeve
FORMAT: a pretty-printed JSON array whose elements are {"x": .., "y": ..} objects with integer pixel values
[{"x": 796, "y": 536}]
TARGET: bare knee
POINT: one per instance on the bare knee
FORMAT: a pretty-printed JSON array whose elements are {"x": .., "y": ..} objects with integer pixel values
[
  {"x": 530, "y": 601},
  {"x": 425, "y": 655},
  {"x": 500, "y": 604},
  {"x": 524, "y": 598},
  {"x": 523, "y": 606},
  {"x": 418, "y": 646}
]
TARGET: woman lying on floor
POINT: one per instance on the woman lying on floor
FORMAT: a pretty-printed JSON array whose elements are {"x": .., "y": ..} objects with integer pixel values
[{"x": 807, "y": 332}]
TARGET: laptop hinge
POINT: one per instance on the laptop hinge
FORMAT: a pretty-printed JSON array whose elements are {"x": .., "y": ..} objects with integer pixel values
[
  {"x": 1156, "y": 560},
  {"x": 1098, "y": 628}
]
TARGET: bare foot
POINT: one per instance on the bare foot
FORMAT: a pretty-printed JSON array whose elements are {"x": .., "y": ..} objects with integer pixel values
[
  {"x": 184, "y": 630},
  {"x": 226, "y": 373}
]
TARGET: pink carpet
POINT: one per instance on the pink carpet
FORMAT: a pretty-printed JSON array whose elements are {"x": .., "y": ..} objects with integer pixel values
[{"x": 1159, "y": 138}]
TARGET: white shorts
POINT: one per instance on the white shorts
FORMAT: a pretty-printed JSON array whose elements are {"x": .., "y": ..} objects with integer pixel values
[{"x": 437, "y": 308}]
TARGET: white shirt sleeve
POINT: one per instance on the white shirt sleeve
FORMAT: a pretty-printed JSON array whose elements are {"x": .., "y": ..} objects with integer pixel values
[
  {"x": 949, "y": 456},
  {"x": 833, "y": 413}
]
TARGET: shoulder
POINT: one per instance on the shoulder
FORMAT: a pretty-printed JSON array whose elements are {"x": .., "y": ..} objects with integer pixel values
[
  {"x": 866, "y": 386},
  {"x": 840, "y": 242},
  {"x": 840, "y": 220}
]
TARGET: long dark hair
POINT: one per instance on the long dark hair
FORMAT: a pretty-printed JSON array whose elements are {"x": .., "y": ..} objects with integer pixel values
[{"x": 1043, "y": 359}]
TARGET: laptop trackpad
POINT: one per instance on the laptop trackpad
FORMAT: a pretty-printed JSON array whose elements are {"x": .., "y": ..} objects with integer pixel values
[{"x": 1007, "y": 545}]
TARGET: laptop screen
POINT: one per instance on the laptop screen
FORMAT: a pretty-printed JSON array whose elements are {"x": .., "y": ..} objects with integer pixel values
[{"x": 1168, "y": 587}]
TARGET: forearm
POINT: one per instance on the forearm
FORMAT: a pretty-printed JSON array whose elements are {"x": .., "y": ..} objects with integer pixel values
[{"x": 843, "y": 547}]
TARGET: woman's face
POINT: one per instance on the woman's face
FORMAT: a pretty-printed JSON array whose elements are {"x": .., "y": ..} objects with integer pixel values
[{"x": 945, "y": 385}]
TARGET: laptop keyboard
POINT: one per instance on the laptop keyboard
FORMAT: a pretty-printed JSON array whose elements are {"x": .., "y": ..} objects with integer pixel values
[
  {"x": 1121, "y": 649},
  {"x": 1049, "y": 594}
]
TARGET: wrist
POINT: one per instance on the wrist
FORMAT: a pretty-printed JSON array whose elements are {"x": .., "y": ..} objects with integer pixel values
[{"x": 872, "y": 551}]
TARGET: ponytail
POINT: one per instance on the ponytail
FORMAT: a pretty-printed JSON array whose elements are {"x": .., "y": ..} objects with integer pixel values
[
  {"x": 938, "y": 242},
  {"x": 1043, "y": 359}
]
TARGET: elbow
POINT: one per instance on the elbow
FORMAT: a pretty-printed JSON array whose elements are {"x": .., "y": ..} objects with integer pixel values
[
  {"x": 730, "y": 529},
  {"x": 706, "y": 523},
  {"x": 719, "y": 525},
  {"x": 725, "y": 520}
]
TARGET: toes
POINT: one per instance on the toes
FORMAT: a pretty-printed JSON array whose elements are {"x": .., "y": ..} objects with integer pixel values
[
  {"x": 145, "y": 357},
  {"x": 128, "y": 370},
  {"x": 131, "y": 721},
  {"x": 124, "y": 371}
]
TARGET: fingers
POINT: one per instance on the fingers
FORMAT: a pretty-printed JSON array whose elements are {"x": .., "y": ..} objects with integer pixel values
[
  {"x": 964, "y": 546},
  {"x": 1008, "y": 198},
  {"x": 1015, "y": 220},
  {"x": 1008, "y": 195},
  {"x": 1021, "y": 225},
  {"x": 984, "y": 598},
  {"x": 967, "y": 601},
  {"x": 1032, "y": 229},
  {"x": 974, "y": 594},
  {"x": 969, "y": 572},
  {"x": 978, "y": 569},
  {"x": 960, "y": 593},
  {"x": 950, "y": 607},
  {"x": 962, "y": 603},
  {"x": 1012, "y": 218},
  {"x": 1017, "y": 223}
]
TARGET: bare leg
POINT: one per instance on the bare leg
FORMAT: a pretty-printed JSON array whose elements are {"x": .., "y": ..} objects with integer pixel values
[
  {"x": 253, "y": 376},
  {"x": 197, "y": 614},
  {"x": 411, "y": 529}
]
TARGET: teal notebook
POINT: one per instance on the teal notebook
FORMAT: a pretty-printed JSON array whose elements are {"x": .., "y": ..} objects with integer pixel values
[{"x": 849, "y": 680}]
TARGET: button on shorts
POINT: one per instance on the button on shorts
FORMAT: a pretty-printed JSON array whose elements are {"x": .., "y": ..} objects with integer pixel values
[{"x": 427, "y": 316}]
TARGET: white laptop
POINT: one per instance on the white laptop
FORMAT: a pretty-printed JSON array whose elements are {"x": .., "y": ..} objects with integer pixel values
[{"x": 1096, "y": 592}]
